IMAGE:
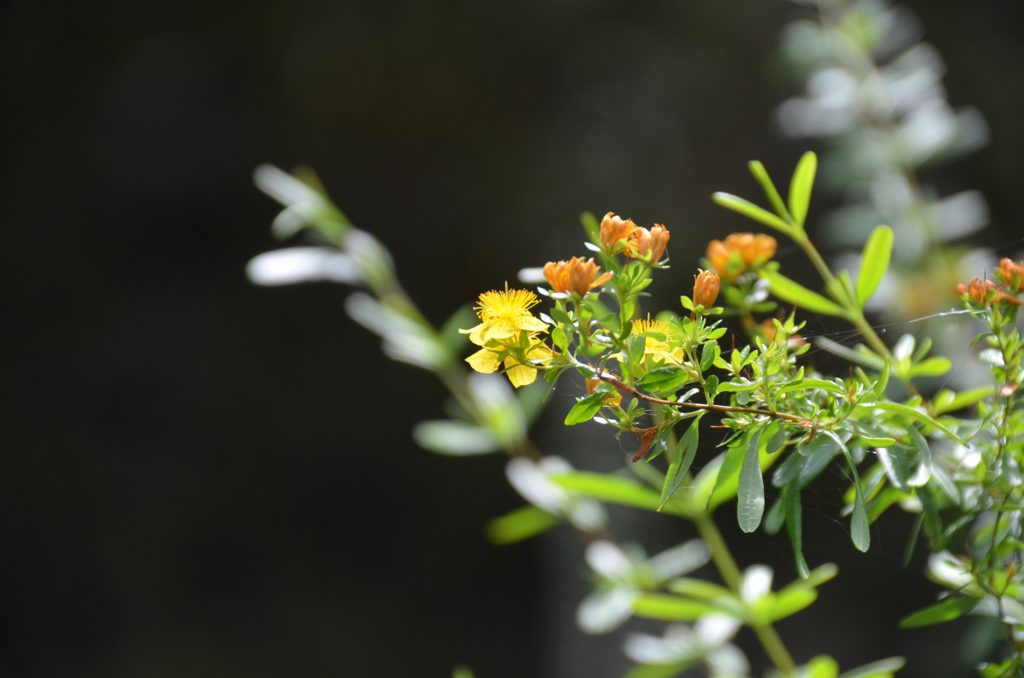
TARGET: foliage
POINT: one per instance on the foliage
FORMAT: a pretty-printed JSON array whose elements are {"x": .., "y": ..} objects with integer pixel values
[{"x": 659, "y": 379}]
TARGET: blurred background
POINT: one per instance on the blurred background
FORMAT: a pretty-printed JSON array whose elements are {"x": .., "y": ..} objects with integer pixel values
[{"x": 207, "y": 478}]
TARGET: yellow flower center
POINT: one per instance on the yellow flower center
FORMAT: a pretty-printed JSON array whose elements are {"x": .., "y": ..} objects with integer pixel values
[{"x": 507, "y": 305}]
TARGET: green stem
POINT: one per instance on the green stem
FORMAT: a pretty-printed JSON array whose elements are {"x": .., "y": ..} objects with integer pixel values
[{"x": 722, "y": 557}]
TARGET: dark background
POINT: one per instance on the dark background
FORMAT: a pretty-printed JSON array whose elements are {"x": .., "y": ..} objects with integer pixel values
[{"x": 205, "y": 478}]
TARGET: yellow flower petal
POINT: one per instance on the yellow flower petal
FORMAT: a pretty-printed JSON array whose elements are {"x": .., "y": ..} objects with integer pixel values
[{"x": 484, "y": 361}]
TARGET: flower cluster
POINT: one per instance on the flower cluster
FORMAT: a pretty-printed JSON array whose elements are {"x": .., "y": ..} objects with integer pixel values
[
  {"x": 576, "y": 276},
  {"x": 622, "y": 235},
  {"x": 985, "y": 292}
]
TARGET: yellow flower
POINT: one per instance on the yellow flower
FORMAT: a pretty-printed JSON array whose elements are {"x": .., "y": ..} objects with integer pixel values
[
  {"x": 650, "y": 245},
  {"x": 507, "y": 334},
  {"x": 487, "y": 360},
  {"x": 657, "y": 350},
  {"x": 503, "y": 315},
  {"x": 576, "y": 275},
  {"x": 741, "y": 252}
]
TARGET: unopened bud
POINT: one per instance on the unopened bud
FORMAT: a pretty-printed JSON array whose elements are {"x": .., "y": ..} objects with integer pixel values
[{"x": 705, "y": 288}]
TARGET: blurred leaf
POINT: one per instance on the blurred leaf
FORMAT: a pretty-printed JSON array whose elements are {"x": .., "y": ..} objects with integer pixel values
[
  {"x": 608, "y": 488},
  {"x": 821, "y": 666},
  {"x": 874, "y": 262},
  {"x": 772, "y": 193},
  {"x": 585, "y": 409},
  {"x": 454, "y": 438},
  {"x": 519, "y": 525},
  {"x": 656, "y": 670},
  {"x": 673, "y": 608},
  {"x": 883, "y": 668},
  {"x": 798, "y": 295},
  {"x": 591, "y": 226},
  {"x": 935, "y": 366},
  {"x": 752, "y": 211},
  {"x": 948, "y": 401},
  {"x": 913, "y": 413},
  {"x": 944, "y": 611},
  {"x": 800, "y": 187},
  {"x": 750, "y": 491},
  {"x": 789, "y": 601},
  {"x": 462, "y": 672},
  {"x": 728, "y": 470}
]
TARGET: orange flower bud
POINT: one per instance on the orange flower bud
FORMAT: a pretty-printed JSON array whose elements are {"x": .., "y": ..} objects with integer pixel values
[
  {"x": 652, "y": 242},
  {"x": 705, "y": 288},
  {"x": 614, "y": 229},
  {"x": 741, "y": 252},
  {"x": 576, "y": 275},
  {"x": 611, "y": 400},
  {"x": 1011, "y": 274}
]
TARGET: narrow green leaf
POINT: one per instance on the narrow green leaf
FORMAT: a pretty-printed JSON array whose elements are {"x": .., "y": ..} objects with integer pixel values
[
  {"x": 750, "y": 491},
  {"x": 944, "y": 611},
  {"x": 860, "y": 531},
  {"x": 672, "y": 608},
  {"x": 704, "y": 590},
  {"x": 798, "y": 295},
  {"x": 883, "y": 668},
  {"x": 800, "y": 187},
  {"x": 913, "y": 413},
  {"x": 658, "y": 670},
  {"x": 772, "y": 193},
  {"x": 962, "y": 399},
  {"x": 729, "y": 468},
  {"x": 686, "y": 450},
  {"x": 752, "y": 211},
  {"x": 518, "y": 525},
  {"x": 607, "y": 488},
  {"x": 789, "y": 601},
  {"x": 873, "y": 262},
  {"x": 591, "y": 227},
  {"x": 794, "y": 525},
  {"x": 821, "y": 574},
  {"x": 585, "y": 409},
  {"x": 454, "y": 438},
  {"x": 936, "y": 366},
  {"x": 863, "y": 357}
]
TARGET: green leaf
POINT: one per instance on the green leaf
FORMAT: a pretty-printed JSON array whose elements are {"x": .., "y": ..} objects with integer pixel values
[
  {"x": 454, "y": 438},
  {"x": 728, "y": 470},
  {"x": 947, "y": 401},
  {"x": 860, "y": 531},
  {"x": 873, "y": 263},
  {"x": 663, "y": 379},
  {"x": 752, "y": 211},
  {"x": 944, "y": 611},
  {"x": 657, "y": 670},
  {"x": 686, "y": 450},
  {"x": 800, "y": 187},
  {"x": 750, "y": 491},
  {"x": 794, "y": 525},
  {"x": 672, "y": 608},
  {"x": 585, "y": 409},
  {"x": 883, "y": 668},
  {"x": 935, "y": 366},
  {"x": 706, "y": 591},
  {"x": 798, "y": 295},
  {"x": 913, "y": 414},
  {"x": 708, "y": 354},
  {"x": 789, "y": 601},
  {"x": 607, "y": 488},
  {"x": 591, "y": 227},
  {"x": 462, "y": 672},
  {"x": 821, "y": 666},
  {"x": 772, "y": 193},
  {"x": 518, "y": 525}
]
